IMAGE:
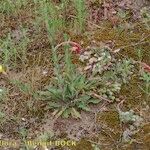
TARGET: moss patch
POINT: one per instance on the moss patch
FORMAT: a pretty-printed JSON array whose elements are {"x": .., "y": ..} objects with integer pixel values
[
  {"x": 142, "y": 139},
  {"x": 132, "y": 93},
  {"x": 111, "y": 128}
]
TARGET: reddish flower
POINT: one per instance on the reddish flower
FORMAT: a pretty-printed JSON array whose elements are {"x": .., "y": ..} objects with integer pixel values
[
  {"x": 76, "y": 47},
  {"x": 146, "y": 67}
]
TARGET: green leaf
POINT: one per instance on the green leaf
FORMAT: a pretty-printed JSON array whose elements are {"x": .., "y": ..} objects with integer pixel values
[
  {"x": 94, "y": 101},
  {"x": 83, "y": 98},
  {"x": 84, "y": 107},
  {"x": 66, "y": 113},
  {"x": 60, "y": 113},
  {"x": 79, "y": 82},
  {"x": 55, "y": 93},
  {"x": 75, "y": 113},
  {"x": 53, "y": 105}
]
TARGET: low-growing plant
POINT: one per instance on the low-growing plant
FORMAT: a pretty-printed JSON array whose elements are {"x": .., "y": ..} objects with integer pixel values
[
  {"x": 23, "y": 132},
  {"x": 12, "y": 51},
  {"x": 145, "y": 76},
  {"x": 3, "y": 94},
  {"x": 130, "y": 117},
  {"x": 124, "y": 70},
  {"x": 8, "y": 50},
  {"x": 52, "y": 18},
  {"x": 10, "y": 6},
  {"x": 69, "y": 90},
  {"x": 145, "y": 17},
  {"x": 23, "y": 87},
  {"x": 27, "y": 90},
  {"x": 80, "y": 14},
  {"x": 100, "y": 63}
]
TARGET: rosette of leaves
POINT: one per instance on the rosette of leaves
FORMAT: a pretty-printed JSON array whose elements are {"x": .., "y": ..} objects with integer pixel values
[
  {"x": 70, "y": 97},
  {"x": 130, "y": 117},
  {"x": 97, "y": 60},
  {"x": 109, "y": 70},
  {"x": 108, "y": 90},
  {"x": 113, "y": 78},
  {"x": 103, "y": 61},
  {"x": 123, "y": 70},
  {"x": 68, "y": 92}
]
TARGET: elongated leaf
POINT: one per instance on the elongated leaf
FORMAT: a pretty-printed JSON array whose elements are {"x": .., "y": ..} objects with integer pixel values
[
  {"x": 55, "y": 93},
  {"x": 60, "y": 113},
  {"x": 53, "y": 105},
  {"x": 75, "y": 113},
  {"x": 66, "y": 113},
  {"x": 84, "y": 107},
  {"x": 94, "y": 101},
  {"x": 83, "y": 98}
]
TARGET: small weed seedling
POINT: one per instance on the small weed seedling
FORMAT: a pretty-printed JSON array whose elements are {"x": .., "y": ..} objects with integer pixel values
[
  {"x": 52, "y": 18},
  {"x": 145, "y": 76},
  {"x": 80, "y": 14},
  {"x": 12, "y": 51},
  {"x": 9, "y": 6}
]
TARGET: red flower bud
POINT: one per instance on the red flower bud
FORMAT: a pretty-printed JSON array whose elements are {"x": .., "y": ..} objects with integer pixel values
[
  {"x": 76, "y": 48},
  {"x": 146, "y": 67}
]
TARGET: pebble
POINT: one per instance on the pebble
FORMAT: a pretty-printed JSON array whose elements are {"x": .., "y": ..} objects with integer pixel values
[
  {"x": 87, "y": 67},
  {"x": 87, "y": 53},
  {"x": 23, "y": 119},
  {"x": 92, "y": 60}
]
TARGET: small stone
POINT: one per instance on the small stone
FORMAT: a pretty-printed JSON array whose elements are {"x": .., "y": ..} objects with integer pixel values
[
  {"x": 23, "y": 119},
  {"x": 87, "y": 53},
  {"x": 82, "y": 42},
  {"x": 95, "y": 55},
  {"x": 87, "y": 67},
  {"x": 117, "y": 50},
  {"x": 92, "y": 60},
  {"x": 44, "y": 72},
  {"x": 88, "y": 47},
  {"x": 93, "y": 41},
  {"x": 100, "y": 58},
  {"x": 83, "y": 58},
  {"x": 109, "y": 57}
]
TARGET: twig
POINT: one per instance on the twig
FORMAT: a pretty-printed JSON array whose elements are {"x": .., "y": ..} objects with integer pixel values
[
  {"x": 65, "y": 43},
  {"x": 118, "y": 105},
  {"x": 100, "y": 97}
]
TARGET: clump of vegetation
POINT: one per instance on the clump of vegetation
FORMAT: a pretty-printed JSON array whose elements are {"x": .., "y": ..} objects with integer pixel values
[
  {"x": 3, "y": 94},
  {"x": 9, "y": 6},
  {"x": 145, "y": 76},
  {"x": 53, "y": 20},
  {"x": 80, "y": 14},
  {"x": 111, "y": 73},
  {"x": 14, "y": 51},
  {"x": 129, "y": 117},
  {"x": 69, "y": 89},
  {"x": 145, "y": 16}
]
